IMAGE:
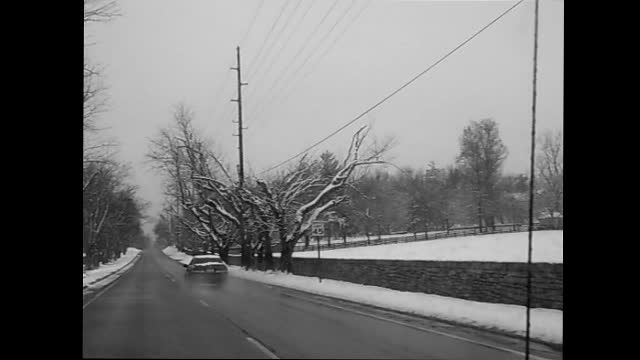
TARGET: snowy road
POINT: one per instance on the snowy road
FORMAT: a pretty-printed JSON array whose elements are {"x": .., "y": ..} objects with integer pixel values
[{"x": 152, "y": 311}]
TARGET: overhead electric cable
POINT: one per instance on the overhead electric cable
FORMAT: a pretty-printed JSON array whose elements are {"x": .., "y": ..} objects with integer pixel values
[{"x": 395, "y": 91}]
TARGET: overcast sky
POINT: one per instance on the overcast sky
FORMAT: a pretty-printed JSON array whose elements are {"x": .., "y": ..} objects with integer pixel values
[{"x": 162, "y": 52}]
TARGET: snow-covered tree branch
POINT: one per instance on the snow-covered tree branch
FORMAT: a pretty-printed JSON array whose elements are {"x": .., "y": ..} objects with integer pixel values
[{"x": 294, "y": 222}]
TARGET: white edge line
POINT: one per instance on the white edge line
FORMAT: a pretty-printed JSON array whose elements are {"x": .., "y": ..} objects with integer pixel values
[
  {"x": 124, "y": 270},
  {"x": 262, "y": 348},
  {"x": 422, "y": 328}
]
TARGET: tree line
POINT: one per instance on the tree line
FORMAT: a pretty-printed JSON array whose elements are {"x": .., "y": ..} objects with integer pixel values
[
  {"x": 112, "y": 214},
  {"x": 207, "y": 209}
]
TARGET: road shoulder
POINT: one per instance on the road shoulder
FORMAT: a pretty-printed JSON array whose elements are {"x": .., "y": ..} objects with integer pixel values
[
  {"x": 93, "y": 290},
  {"x": 489, "y": 337}
]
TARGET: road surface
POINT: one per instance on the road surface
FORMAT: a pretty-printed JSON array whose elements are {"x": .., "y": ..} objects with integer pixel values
[{"x": 152, "y": 311}]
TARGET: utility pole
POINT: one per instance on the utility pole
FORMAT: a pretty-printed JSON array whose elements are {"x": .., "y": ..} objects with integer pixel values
[
  {"x": 243, "y": 242},
  {"x": 532, "y": 176},
  {"x": 240, "y": 128}
]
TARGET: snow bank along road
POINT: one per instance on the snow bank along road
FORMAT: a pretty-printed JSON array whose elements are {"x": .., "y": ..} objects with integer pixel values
[
  {"x": 104, "y": 271},
  {"x": 153, "y": 311},
  {"x": 98, "y": 280},
  {"x": 546, "y": 324}
]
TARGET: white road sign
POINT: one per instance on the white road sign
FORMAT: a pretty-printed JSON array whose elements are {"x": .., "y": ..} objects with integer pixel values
[{"x": 317, "y": 229}]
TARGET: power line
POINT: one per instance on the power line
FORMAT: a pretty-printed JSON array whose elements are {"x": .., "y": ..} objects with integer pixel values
[
  {"x": 395, "y": 91},
  {"x": 313, "y": 51},
  {"x": 269, "y": 34},
  {"x": 284, "y": 44},
  {"x": 340, "y": 18},
  {"x": 255, "y": 16},
  {"x": 341, "y": 34},
  {"x": 322, "y": 56},
  {"x": 305, "y": 44},
  {"x": 269, "y": 48}
]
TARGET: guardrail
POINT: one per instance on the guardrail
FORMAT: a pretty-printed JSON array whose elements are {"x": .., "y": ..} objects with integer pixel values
[{"x": 452, "y": 233}]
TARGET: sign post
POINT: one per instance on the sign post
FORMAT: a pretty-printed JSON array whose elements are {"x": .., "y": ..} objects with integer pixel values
[{"x": 317, "y": 230}]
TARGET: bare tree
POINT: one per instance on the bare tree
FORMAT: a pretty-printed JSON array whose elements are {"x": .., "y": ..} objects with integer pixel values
[
  {"x": 284, "y": 194},
  {"x": 481, "y": 156},
  {"x": 111, "y": 213},
  {"x": 166, "y": 156},
  {"x": 100, "y": 11},
  {"x": 94, "y": 97},
  {"x": 162, "y": 231},
  {"x": 550, "y": 168},
  {"x": 301, "y": 181},
  {"x": 208, "y": 207},
  {"x": 96, "y": 207}
]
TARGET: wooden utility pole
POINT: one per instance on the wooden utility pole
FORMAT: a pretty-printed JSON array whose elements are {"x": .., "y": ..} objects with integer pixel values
[
  {"x": 243, "y": 241},
  {"x": 532, "y": 176},
  {"x": 240, "y": 128}
]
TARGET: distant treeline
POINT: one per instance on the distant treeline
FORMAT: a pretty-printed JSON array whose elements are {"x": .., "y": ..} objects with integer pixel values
[{"x": 208, "y": 208}]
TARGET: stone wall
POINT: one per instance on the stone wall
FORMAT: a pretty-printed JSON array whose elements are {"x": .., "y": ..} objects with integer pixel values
[{"x": 492, "y": 282}]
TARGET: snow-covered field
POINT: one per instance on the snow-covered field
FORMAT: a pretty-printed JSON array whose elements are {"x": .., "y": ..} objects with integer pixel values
[
  {"x": 371, "y": 237},
  {"x": 546, "y": 324},
  {"x": 509, "y": 247},
  {"x": 173, "y": 253},
  {"x": 104, "y": 270}
]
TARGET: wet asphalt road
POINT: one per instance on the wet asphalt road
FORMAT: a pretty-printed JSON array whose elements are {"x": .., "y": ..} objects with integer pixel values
[{"x": 153, "y": 311}]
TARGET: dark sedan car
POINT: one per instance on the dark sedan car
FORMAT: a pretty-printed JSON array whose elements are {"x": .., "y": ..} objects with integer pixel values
[{"x": 206, "y": 265}]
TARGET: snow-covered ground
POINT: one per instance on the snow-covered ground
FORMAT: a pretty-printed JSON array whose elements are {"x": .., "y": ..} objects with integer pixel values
[
  {"x": 363, "y": 238},
  {"x": 173, "y": 253},
  {"x": 509, "y": 247},
  {"x": 546, "y": 324},
  {"x": 104, "y": 270}
]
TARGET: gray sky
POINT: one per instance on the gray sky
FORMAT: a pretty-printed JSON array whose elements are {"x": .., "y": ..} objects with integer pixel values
[{"x": 161, "y": 52}]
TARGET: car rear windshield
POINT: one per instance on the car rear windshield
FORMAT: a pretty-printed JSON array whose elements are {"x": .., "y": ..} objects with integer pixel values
[{"x": 205, "y": 259}]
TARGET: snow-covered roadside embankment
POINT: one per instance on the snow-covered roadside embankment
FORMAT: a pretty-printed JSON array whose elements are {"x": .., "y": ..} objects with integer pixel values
[
  {"x": 176, "y": 255},
  {"x": 546, "y": 324},
  {"x": 104, "y": 270}
]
